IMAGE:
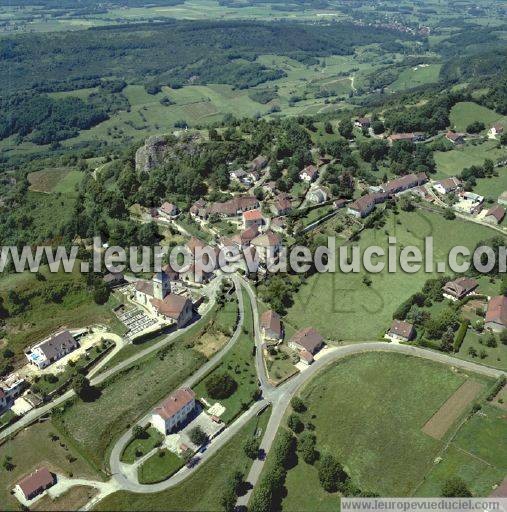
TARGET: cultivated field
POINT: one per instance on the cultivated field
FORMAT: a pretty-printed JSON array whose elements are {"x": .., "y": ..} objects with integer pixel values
[
  {"x": 380, "y": 403},
  {"x": 453, "y": 408}
]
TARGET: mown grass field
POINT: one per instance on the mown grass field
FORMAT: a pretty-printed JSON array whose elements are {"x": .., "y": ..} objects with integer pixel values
[
  {"x": 342, "y": 307},
  {"x": 451, "y": 163},
  {"x": 240, "y": 365},
  {"x": 495, "y": 356},
  {"x": 494, "y": 186},
  {"x": 466, "y": 112},
  {"x": 31, "y": 448},
  {"x": 141, "y": 445},
  {"x": 203, "y": 490},
  {"x": 160, "y": 466},
  {"x": 416, "y": 76},
  {"x": 381, "y": 401}
]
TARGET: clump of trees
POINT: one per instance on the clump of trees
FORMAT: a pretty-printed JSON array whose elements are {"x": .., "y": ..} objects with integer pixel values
[{"x": 220, "y": 385}]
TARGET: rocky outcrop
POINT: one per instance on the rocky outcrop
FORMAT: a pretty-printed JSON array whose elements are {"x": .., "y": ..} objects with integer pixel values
[{"x": 151, "y": 155}]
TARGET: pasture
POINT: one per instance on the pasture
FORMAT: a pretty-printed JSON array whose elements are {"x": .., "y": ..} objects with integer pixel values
[
  {"x": 466, "y": 112},
  {"x": 451, "y": 163},
  {"x": 342, "y": 307},
  {"x": 381, "y": 402},
  {"x": 415, "y": 76},
  {"x": 58, "y": 179}
]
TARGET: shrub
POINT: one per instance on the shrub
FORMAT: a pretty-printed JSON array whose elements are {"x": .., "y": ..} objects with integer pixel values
[
  {"x": 220, "y": 385},
  {"x": 460, "y": 335}
]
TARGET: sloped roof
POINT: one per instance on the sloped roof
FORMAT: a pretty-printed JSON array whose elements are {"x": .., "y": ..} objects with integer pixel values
[
  {"x": 171, "y": 306},
  {"x": 252, "y": 215},
  {"x": 57, "y": 342},
  {"x": 401, "y": 328},
  {"x": 309, "y": 339},
  {"x": 36, "y": 481},
  {"x": 174, "y": 403},
  {"x": 271, "y": 320},
  {"x": 267, "y": 239},
  {"x": 497, "y": 310},
  {"x": 497, "y": 211}
]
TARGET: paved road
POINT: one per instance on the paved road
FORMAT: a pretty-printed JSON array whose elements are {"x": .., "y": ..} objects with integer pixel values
[
  {"x": 34, "y": 414},
  {"x": 115, "y": 464}
]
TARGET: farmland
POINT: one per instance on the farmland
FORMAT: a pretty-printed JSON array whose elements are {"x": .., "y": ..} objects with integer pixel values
[
  {"x": 466, "y": 112},
  {"x": 382, "y": 402},
  {"x": 342, "y": 307}
]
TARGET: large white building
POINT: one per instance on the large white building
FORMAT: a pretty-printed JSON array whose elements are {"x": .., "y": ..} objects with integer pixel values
[
  {"x": 10, "y": 388},
  {"x": 173, "y": 411}
]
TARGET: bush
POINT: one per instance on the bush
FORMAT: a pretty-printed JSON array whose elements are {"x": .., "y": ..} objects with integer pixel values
[
  {"x": 251, "y": 448},
  {"x": 331, "y": 473},
  {"x": 455, "y": 488},
  {"x": 295, "y": 424},
  {"x": 460, "y": 335},
  {"x": 499, "y": 384},
  {"x": 297, "y": 404},
  {"x": 197, "y": 436},
  {"x": 220, "y": 385}
]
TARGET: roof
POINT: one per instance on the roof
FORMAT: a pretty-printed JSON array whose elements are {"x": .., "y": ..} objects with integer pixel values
[
  {"x": 309, "y": 339},
  {"x": 404, "y": 183},
  {"x": 460, "y": 286},
  {"x": 304, "y": 354},
  {"x": 194, "y": 243},
  {"x": 497, "y": 211},
  {"x": 318, "y": 194},
  {"x": 168, "y": 207},
  {"x": 249, "y": 234},
  {"x": 364, "y": 120},
  {"x": 498, "y": 127},
  {"x": 497, "y": 310},
  {"x": 239, "y": 173},
  {"x": 174, "y": 403},
  {"x": 271, "y": 320},
  {"x": 268, "y": 239},
  {"x": 401, "y": 136},
  {"x": 112, "y": 277},
  {"x": 231, "y": 207},
  {"x": 364, "y": 202},
  {"x": 172, "y": 306},
  {"x": 259, "y": 162},
  {"x": 252, "y": 215},
  {"x": 282, "y": 202},
  {"x": 401, "y": 328},
  {"x": 145, "y": 287},
  {"x": 449, "y": 184},
  {"x": 36, "y": 481},
  {"x": 454, "y": 136},
  {"x": 311, "y": 170},
  {"x": 52, "y": 346},
  {"x": 338, "y": 203},
  {"x": 171, "y": 273}
]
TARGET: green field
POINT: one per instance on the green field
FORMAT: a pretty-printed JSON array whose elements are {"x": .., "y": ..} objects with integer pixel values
[
  {"x": 451, "y": 163},
  {"x": 76, "y": 309},
  {"x": 495, "y": 356},
  {"x": 381, "y": 401},
  {"x": 342, "y": 307},
  {"x": 160, "y": 466},
  {"x": 141, "y": 446},
  {"x": 466, "y": 112},
  {"x": 415, "y": 76},
  {"x": 494, "y": 186},
  {"x": 239, "y": 364},
  {"x": 31, "y": 448},
  {"x": 203, "y": 490}
]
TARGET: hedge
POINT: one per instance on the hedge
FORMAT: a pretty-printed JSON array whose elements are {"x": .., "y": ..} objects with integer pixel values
[
  {"x": 499, "y": 384},
  {"x": 460, "y": 335}
]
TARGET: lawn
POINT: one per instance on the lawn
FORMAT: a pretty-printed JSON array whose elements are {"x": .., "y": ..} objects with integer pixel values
[
  {"x": 239, "y": 364},
  {"x": 342, "y": 307},
  {"x": 160, "y": 466},
  {"x": 381, "y": 401},
  {"x": 92, "y": 426},
  {"x": 466, "y": 112},
  {"x": 203, "y": 490},
  {"x": 495, "y": 356},
  {"x": 139, "y": 447},
  {"x": 451, "y": 163},
  {"x": 31, "y": 448},
  {"x": 494, "y": 186}
]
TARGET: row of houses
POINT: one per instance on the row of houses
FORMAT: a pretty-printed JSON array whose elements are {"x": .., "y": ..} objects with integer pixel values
[{"x": 234, "y": 207}]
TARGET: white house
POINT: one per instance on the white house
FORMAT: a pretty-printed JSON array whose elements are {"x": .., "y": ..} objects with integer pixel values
[
  {"x": 168, "y": 210},
  {"x": 173, "y": 411},
  {"x": 10, "y": 388},
  {"x": 447, "y": 185},
  {"x": 51, "y": 349},
  {"x": 496, "y": 129},
  {"x": 309, "y": 173}
]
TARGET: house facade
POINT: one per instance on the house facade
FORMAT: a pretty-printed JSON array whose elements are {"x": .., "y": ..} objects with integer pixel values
[
  {"x": 11, "y": 388},
  {"x": 173, "y": 411}
]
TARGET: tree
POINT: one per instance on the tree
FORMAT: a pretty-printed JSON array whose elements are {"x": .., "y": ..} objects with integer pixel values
[
  {"x": 7, "y": 463},
  {"x": 297, "y": 404},
  {"x": 228, "y": 500},
  {"x": 328, "y": 127},
  {"x": 101, "y": 293},
  {"x": 378, "y": 127},
  {"x": 346, "y": 129},
  {"x": 449, "y": 214},
  {"x": 197, "y": 436},
  {"x": 81, "y": 386},
  {"x": 306, "y": 446},
  {"x": 295, "y": 423},
  {"x": 455, "y": 487},
  {"x": 220, "y": 385},
  {"x": 251, "y": 448},
  {"x": 491, "y": 340},
  {"x": 475, "y": 127},
  {"x": 139, "y": 432},
  {"x": 331, "y": 473}
]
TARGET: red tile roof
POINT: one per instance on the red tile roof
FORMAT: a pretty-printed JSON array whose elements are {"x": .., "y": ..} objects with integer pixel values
[
  {"x": 252, "y": 215},
  {"x": 497, "y": 310},
  {"x": 175, "y": 402},
  {"x": 403, "y": 329},
  {"x": 309, "y": 339},
  {"x": 172, "y": 306},
  {"x": 36, "y": 482},
  {"x": 497, "y": 211},
  {"x": 270, "y": 320}
]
